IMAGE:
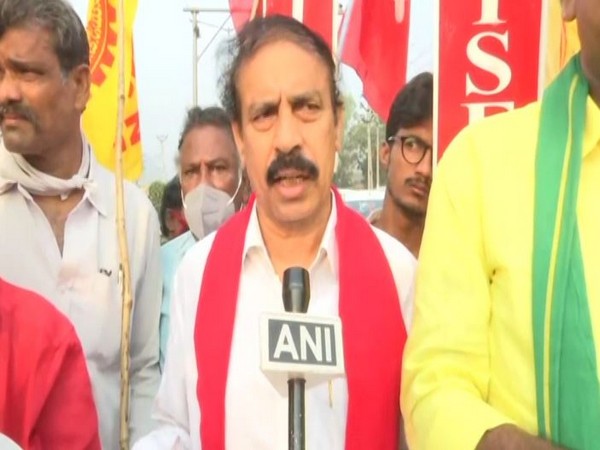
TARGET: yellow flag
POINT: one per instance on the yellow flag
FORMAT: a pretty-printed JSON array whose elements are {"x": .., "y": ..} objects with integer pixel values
[
  {"x": 100, "y": 117},
  {"x": 563, "y": 42}
]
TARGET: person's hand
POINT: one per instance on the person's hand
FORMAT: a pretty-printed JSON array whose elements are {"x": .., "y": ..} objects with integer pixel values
[{"x": 510, "y": 437}]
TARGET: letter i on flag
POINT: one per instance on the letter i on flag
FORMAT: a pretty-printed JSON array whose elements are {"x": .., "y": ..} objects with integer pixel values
[{"x": 100, "y": 117}]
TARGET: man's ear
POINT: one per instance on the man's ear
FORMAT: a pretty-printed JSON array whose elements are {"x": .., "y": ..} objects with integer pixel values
[
  {"x": 239, "y": 141},
  {"x": 568, "y": 10},
  {"x": 80, "y": 77},
  {"x": 384, "y": 155},
  {"x": 339, "y": 128},
  {"x": 336, "y": 163}
]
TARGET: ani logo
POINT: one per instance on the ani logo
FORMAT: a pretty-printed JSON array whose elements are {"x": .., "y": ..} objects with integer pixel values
[{"x": 102, "y": 38}]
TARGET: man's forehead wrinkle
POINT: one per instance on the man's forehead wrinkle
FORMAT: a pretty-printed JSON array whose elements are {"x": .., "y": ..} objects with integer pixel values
[
  {"x": 301, "y": 95},
  {"x": 310, "y": 94},
  {"x": 265, "y": 99}
]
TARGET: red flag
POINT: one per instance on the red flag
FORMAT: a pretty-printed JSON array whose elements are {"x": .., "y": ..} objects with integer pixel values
[
  {"x": 376, "y": 46},
  {"x": 315, "y": 14}
]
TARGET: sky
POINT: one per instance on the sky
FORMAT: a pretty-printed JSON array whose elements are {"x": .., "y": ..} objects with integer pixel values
[{"x": 163, "y": 50}]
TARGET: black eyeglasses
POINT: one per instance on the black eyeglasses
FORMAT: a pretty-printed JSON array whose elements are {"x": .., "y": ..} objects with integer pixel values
[{"x": 413, "y": 148}]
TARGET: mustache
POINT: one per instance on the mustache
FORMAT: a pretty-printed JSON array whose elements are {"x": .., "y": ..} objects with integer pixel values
[
  {"x": 419, "y": 181},
  {"x": 291, "y": 160},
  {"x": 17, "y": 109}
]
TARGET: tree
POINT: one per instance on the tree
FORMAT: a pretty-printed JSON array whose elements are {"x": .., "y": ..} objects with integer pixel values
[
  {"x": 353, "y": 165},
  {"x": 155, "y": 194}
]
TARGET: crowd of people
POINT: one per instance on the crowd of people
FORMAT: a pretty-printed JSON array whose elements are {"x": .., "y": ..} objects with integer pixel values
[{"x": 489, "y": 342}]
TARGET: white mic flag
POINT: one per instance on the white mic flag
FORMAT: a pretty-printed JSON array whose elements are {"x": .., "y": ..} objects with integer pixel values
[{"x": 300, "y": 344}]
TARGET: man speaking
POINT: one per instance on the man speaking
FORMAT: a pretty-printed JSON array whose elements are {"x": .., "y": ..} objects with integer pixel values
[{"x": 287, "y": 116}]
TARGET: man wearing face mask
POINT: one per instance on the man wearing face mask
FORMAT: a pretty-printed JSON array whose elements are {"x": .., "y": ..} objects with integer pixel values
[{"x": 210, "y": 176}]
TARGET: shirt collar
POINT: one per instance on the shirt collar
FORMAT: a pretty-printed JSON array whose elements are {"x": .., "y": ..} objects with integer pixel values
[
  {"x": 6, "y": 185},
  {"x": 591, "y": 136},
  {"x": 98, "y": 195},
  {"x": 327, "y": 248}
]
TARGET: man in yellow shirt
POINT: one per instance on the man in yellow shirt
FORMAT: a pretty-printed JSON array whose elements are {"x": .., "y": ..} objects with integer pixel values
[{"x": 503, "y": 349}]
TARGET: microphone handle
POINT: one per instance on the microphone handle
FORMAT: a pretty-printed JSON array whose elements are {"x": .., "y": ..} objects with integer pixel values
[{"x": 296, "y": 410}]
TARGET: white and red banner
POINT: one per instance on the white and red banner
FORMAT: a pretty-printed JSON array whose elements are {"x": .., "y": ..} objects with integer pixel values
[
  {"x": 489, "y": 60},
  {"x": 374, "y": 38},
  {"x": 492, "y": 55},
  {"x": 318, "y": 15}
]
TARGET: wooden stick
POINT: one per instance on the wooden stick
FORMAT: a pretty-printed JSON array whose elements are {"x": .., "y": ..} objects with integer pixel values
[{"x": 124, "y": 270}]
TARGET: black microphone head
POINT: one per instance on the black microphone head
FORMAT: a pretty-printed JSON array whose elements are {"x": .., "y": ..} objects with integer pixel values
[{"x": 296, "y": 289}]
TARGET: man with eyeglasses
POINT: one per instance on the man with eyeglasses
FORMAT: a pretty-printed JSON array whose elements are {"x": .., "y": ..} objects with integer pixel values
[{"x": 406, "y": 156}]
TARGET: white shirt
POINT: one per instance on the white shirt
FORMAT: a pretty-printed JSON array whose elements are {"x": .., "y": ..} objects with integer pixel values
[
  {"x": 83, "y": 284},
  {"x": 256, "y": 405},
  {"x": 7, "y": 443}
]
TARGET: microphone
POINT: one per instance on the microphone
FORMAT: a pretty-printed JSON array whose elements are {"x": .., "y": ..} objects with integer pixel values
[
  {"x": 296, "y": 295},
  {"x": 299, "y": 345},
  {"x": 296, "y": 290}
]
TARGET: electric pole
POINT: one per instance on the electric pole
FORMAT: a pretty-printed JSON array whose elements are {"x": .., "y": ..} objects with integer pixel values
[
  {"x": 195, "y": 35},
  {"x": 162, "y": 138}
]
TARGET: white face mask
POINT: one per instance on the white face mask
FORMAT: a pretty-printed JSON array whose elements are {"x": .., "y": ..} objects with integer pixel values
[{"x": 206, "y": 209}]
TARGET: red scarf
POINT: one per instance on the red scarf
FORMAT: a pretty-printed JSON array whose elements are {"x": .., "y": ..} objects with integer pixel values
[{"x": 373, "y": 331}]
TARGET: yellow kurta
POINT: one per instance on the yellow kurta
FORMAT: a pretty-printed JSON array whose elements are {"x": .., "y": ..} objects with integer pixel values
[{"x": 469, "y": 364}]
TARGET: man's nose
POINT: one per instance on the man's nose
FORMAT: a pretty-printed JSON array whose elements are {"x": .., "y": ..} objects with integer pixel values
[
  {"x": 10, "y": 90},
  {"x": 424, "y": 167},
  {"x": 287, "y": 133},
  {"x": 205, "y": 176}
]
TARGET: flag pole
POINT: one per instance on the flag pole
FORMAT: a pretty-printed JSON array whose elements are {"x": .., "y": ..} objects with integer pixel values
[
  {"x": 344, "y": 29},
  {"x": 437, "y": 13},
  {"x": 334, "y": 28},
  {"x": 254, "y": 9},
  {"x": 124, "y": 270}
]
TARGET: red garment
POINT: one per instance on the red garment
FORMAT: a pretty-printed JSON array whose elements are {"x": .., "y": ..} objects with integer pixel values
[
  {"x": 46, "y": 397},
  {"x": 376, "y": 47},
  {"x": 373, "y": 331}
]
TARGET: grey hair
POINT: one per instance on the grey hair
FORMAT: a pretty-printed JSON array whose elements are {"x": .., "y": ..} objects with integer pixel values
[
  {"x": 56, "y": 16},
  {"x": 212, "y": 116},
  {"x": 262, "y": 31}
]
